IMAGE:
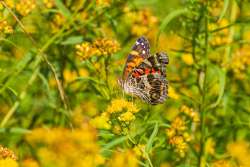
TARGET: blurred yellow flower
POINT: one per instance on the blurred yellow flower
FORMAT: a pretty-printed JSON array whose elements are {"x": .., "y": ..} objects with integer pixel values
[
  {"x": 5, "y": 27},
  {"x": 178, "y": 136},
  {"x": 24, "y": 7},
  {"x": 210, "y": 146},
  {"x": 142, "y": 21},
  {"x": 118, "y": 105},
  {"x": 63, "y": 147},
  {"x": 190, "y": 112},
  {"x": 7, "y": 158},
  {"x": 106, "y": 46},
  {"x": 99, "y": 47},
  {"x": 29, "y": 162},
  {"x": 103, "y": 3},
  {"x": 126, "y": 117},
  {"x": 188, "y": 59},
  {"x": 101, "y": 122},
  {"x": 10, "y": 3},
  {"x": 179, "y": 124},
  {"x": 221, "y": 163},
  {"x": 123, "y": 159},
  {"x": 240, "y": 150},
  {"x": 57, "y": 22},
  {"x": 240, "y": 62},
  {"x": 180, "y": 145},
  {"x": 172, "y": 93},
  {"x": 139, "y": 150},
  {"x": 49, "y": 3},
  {"x": 7, "y": 153},
  {"x": 8, "y": 162}
]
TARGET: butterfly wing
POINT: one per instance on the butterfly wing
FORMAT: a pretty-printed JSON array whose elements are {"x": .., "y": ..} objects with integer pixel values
[
  {"x": 148, "y": 79},
  {"x": 140, "y": 51}
]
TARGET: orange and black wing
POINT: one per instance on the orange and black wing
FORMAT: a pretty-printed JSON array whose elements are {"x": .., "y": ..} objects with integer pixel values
[{"x": 139, "y": 52}]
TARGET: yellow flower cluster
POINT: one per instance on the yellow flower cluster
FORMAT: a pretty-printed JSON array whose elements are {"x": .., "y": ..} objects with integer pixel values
[
  {"x": 240, "y": 151},
  {"x": 103, "y": 3},
  {"x": 29, "y": 162},
  {"x": 220, "y": 37},
  {"x": 187, "y": 59},
  {"x": 215, "y": 7},
  {"x": 24, "y": 7},
  {"x": 178, "y": 136},
  {"x": 119, "y": 110},
  {"x": 49, "y": 3},
  {"x": 57, "y": 22},
  {"x": 191, "y": 113},
  {"x": 172, "y": 93},
  {"x": 7, "y": 153},
  {"x": 140, "y": 150},
  {"x": 7, "y": 158},
  {"x": 64, "y": 147},
  {"x": 221, "y": 163},
  {"x": 5, "y": 27},
  {"x": 240, "y": 62},
  {"x": 142, "y": 21},
  {"x": 10, "y": 3},
  {"x": 99, "y": 47},
  {"x": 123, "y": 159}
]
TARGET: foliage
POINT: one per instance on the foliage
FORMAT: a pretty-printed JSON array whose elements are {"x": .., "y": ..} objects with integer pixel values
[{"x": 61, "y": 104}]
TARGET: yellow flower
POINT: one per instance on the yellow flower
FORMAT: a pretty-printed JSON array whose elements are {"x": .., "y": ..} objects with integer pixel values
[
  {"x": 5, "y": 27},
  {"x": 126, "y": 117},
  {"x": 29, "y": 163},
  {"x": 123, "y": 159},
  {"x": 240, "y": 62},
  {"x": 171, "y": 132},
  {"x": 10, "y": 3},
  {"x": 188, "y": 59},
  {"x": 106, "y": 46},
  {"x": 118, "y": 105},
  {"x": 99, "y": 47},
  {"x": 8, "y": 162},
  {"x": 64, "y": 147},
  {"x": 103, "y": 3},
  {"x": 172, "y": 93},
  {"x": 180, "y": 145},
  {"x": 7, "y": 153},
  {"x": 101, "y": 122},
  {"x": 49, "y": 3},
  {"x": 221, "y": 163},
  {"x": 190, "y": 112},
  {"x": 57, "y": 22},
  {"x": 142, "y": 21},
  {"x": 69, "y": 76},
  {"x": 209, "y": 146},
  {"x": 139, "y": 150},
  {"x": 240, "y": 150},
  {"x": 179, "y": 124},
  {"x": 24, "y": 7}
]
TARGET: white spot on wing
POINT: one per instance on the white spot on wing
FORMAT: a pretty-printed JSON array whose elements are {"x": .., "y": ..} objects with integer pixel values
[{"x": 143, "y": 52}]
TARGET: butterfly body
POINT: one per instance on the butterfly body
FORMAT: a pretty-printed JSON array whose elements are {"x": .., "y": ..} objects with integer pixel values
[{"x": 144, "y": 75}]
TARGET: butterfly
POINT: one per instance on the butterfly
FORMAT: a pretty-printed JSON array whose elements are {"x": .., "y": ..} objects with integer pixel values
[{"x": 144, "y": 75}]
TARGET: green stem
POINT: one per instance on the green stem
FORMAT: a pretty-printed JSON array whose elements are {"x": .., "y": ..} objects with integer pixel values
[{"x": 202, "y": 106}]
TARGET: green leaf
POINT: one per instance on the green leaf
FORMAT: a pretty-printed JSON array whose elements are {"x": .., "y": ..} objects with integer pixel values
[
  {"x": 72, "y": 40},
  {"x": 151, "y": 139},
  {"x": 65, "y": 12},
  {"x": 224, "y": 10},
  {"x": 114, "y": 143},
  {"x": 222, "y": 80},
  {"x": 169, "y": 18},
  {"x": 14, "y": 130}
]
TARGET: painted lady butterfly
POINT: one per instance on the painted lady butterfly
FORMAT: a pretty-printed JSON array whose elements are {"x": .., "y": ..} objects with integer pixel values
[{"x": 144, "y": 75}]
